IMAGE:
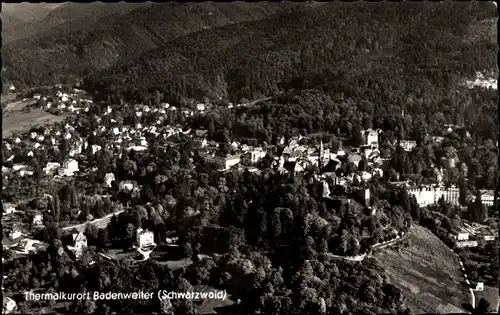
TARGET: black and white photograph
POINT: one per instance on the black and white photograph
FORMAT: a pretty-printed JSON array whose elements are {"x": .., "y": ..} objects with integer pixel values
[{"x": 290, "y": 157}]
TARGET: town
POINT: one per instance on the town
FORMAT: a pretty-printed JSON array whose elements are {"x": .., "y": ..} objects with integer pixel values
[
  {"x": 44, "y": 165},
  {"x": 260, "y": 157}
]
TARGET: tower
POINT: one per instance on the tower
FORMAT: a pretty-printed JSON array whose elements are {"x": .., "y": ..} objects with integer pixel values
[{"x": 321, "y": 155}]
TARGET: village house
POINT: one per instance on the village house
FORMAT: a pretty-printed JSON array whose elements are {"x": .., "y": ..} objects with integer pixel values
[
  {"x": 462, "y": 244},
  {"x": 370, "y": 137},
  {"x": 354, "y": 158},
  {"x": 69, "y": 168},
  {"x": 9, "y": 305},
  {"x": 38, "y": 219},
  {"x": 461, "y": 235},
  {"x": 108, "y": 179},
  {"x": 254, "y": 156},
  {"x": 144, "y": 238},
  {"x": 15, "y": 233},
  {"x": 51, "y": 168},
  {"x": 479, "y": 286},
  {"x": 78, "y": 244},
  {"x": 126, "y": 186},
  {"x": 408, "y": 145},
  {"x": 8, "y": 208},
  {"x": 200, "y": 107},
  {"x": 487, "y": 197},
  {"x": 223, "y": 161}
]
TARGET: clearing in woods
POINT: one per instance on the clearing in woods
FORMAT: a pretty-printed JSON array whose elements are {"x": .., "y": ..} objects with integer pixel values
[
  {"x": 17, "y": 120},
  {"x": 491, "y": 295},
  {"x": 427, "y": 272}
]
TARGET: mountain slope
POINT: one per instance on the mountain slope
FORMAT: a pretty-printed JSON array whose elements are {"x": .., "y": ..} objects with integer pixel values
[
  {"x": 386, "y": 46},
  {"x": 55, "y": 56},
  {"x": 65, "y": 18},
  {"x": 16, "y": 15}
]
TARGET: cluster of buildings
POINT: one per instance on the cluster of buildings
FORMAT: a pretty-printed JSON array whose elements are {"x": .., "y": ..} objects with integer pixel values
[{"x": 470, "y": 233}]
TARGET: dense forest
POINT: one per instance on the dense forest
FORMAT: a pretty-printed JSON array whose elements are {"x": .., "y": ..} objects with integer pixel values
[
  {"x": 77, "y": 48},
  {"x": 409, "y": 54}
]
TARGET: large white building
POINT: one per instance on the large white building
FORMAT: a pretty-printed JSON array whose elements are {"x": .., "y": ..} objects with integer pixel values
[
  {"x": 429, "y": 195},
  {"x": 223, "y": 161},
  {"x": 487, "y": 197}
]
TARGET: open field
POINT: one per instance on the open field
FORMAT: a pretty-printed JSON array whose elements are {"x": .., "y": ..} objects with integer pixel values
[
  {"x": 17, "y": 106},
  {"x": 21, "y": 121},
  {"x": 490, "y": 294},
  {"x": 427, "y": 271}
]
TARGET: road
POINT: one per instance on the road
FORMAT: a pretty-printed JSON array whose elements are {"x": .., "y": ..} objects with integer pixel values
[{"x": 99, "y": 223}]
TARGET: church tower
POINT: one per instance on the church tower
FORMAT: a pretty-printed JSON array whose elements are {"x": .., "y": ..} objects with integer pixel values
[{"x": 321, "y": 155}]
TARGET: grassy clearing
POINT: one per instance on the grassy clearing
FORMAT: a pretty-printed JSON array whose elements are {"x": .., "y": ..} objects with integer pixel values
[
  {"x": 427, "y": 271},
  {"x": 490, "y": 294},
  {"x": 21, "y": 121}
]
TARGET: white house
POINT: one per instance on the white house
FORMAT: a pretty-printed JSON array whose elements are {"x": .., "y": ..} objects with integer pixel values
[
  {"x": 8, "y": 208},
  {"x": 96, "y": 148},
  {"x": 109, "y": 178},
  {"x": 69, "y": 168},
  {"x": 479, "y": 286},
  {"x": 370, "y": 137},
  {"x": 51, "y": 168},
  {"x": 18, "y": 167},
  {"x": 461, "y": 235},
  {"x": 38, "y": 219},
  {"x": 200, "y": 107},
  {"x": 9, "y": 305},
  {"x": 126, "y": 186},
  {"x": 408, "y": 145},
  {"x": 255, "y": 155},
  {"x": 78, "y": 244},
  {"x": 144, "y": 238},
  {"x": 15, "y": 233}
]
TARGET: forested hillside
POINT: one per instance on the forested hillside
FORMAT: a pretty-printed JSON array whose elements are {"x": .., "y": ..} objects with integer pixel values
[
  {"x": 66, "y": 53},
  {"x": 386, "y": 52},
  {"x": 37, "y": 20}
]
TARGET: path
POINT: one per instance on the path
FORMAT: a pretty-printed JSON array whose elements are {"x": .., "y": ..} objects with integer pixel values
[
  {"x": 99, "y": 223},
  {"x": 252, "y": 103},
  {"x": 363, "y": 256},
  {"x": 472, "y": 295}
]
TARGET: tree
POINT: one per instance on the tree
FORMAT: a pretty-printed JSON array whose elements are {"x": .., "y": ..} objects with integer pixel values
[
  {"x": 357, "y": 137},
  {"x": 483, "y": 307},
  {"x": 91, "y": 232},
  {"x": 103, "y": 239},
  {"x": 129, "y": 167}
]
